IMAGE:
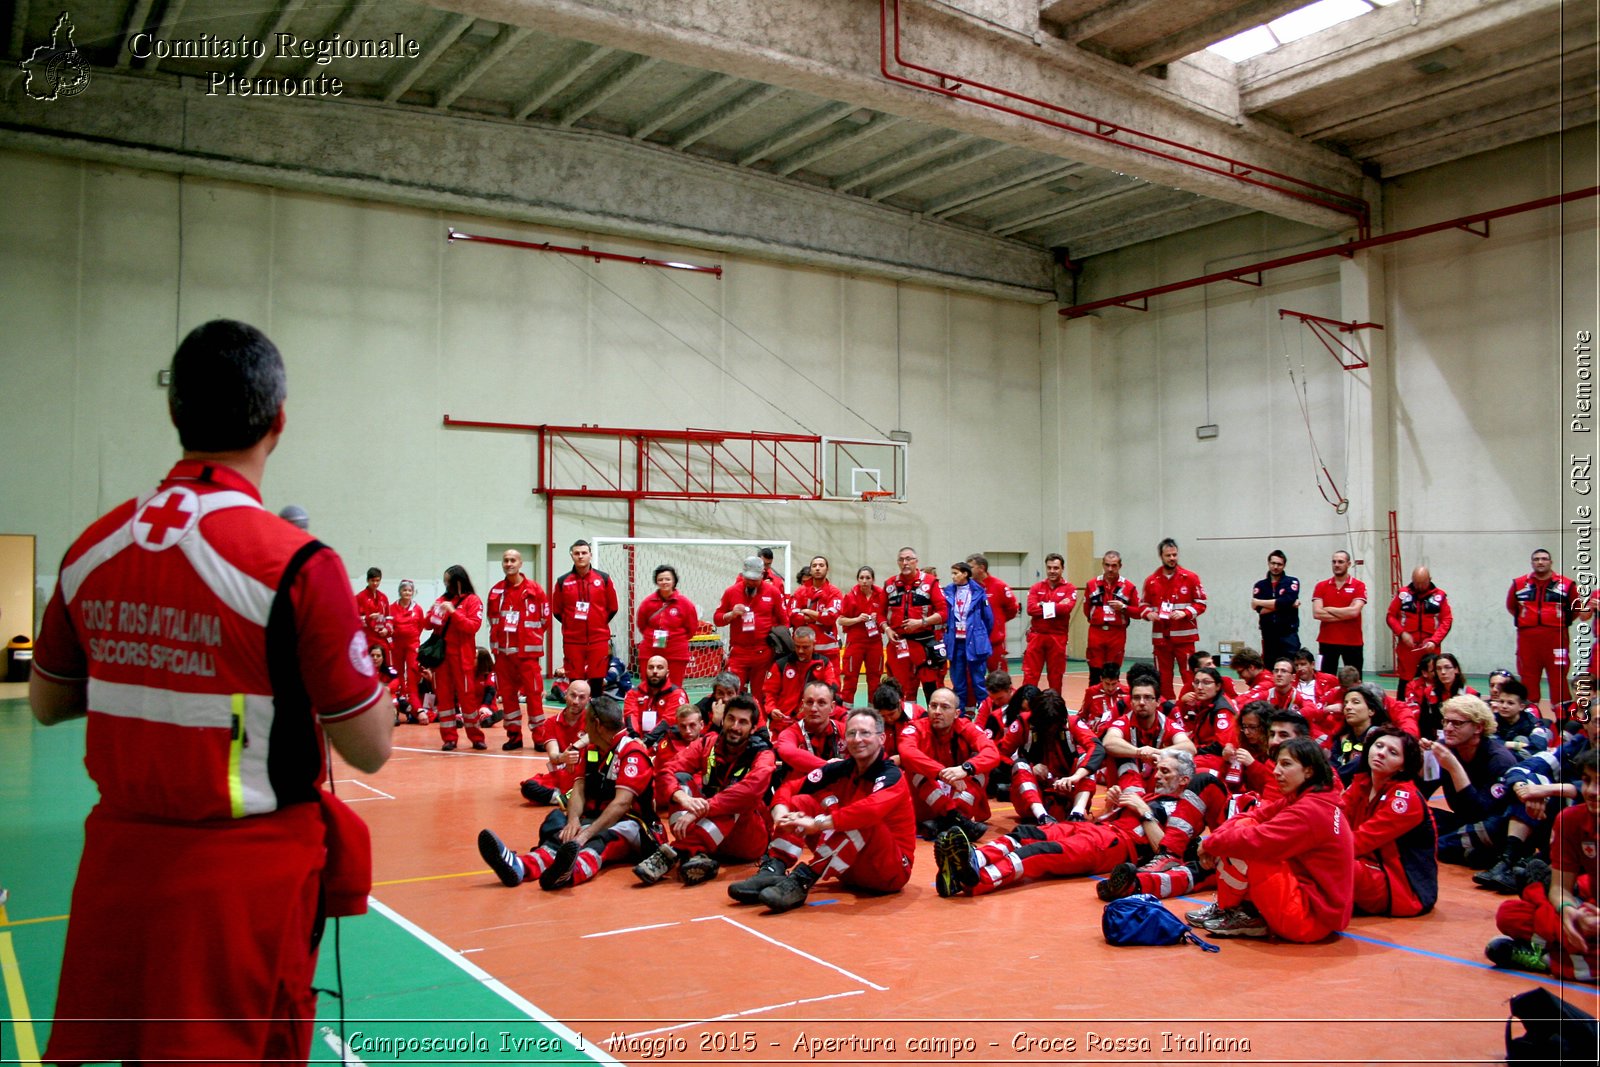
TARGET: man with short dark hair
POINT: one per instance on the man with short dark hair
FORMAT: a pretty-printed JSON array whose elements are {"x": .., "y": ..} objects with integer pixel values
[
  {"x": 715, "y": 791},
  {"x": 816, "y": 737},
  {"x": 584, "y": 601},
  {"x": 609, "y": 816},
  {"x": 1110, "y": 602},
  {"x": 790, "y": 674},
  {"x": 750, "y": 608},
  {"x": 818, "y": 604},
  {"x": 1149, "y": 726},
  {"x": 236, "y": 651},
  {"x": 1276, "y": 602},
  {"x": 1543, "y": 604},
  {"x": 854, "y": 813},
  {"x": 1337, "y": 602},
  {"x": 373, "y": 607},
  {"x": 1173, "y": 601},
  {"x": 1050, "y": 605}
]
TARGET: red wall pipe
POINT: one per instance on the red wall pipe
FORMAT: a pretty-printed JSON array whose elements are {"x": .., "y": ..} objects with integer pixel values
[
  {"x": 546, "y": 246},
  {"x": 1349, "y": 248},
  {"x": 1238, "y": 170}
]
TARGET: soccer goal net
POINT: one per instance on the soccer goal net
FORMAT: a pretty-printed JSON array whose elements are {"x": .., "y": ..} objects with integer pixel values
[{"x": 705, "y": 568}]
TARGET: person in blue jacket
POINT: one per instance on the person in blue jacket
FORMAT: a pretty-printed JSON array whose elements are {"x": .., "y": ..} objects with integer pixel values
[{"x": 966, "y": 635}]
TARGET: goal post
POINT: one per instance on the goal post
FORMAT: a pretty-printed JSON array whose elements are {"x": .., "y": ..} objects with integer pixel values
[{"x": 706, "y": 567}]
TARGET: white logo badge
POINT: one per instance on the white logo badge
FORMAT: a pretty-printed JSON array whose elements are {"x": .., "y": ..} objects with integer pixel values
[
  {"x": 165, "y": 518},
  {"x": 361, "y": 655}
]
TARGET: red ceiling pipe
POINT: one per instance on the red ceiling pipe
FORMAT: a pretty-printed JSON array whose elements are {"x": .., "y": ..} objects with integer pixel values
[
  {"x": 1349, "y": 248},
  {"x": 546, "y": 246},
  {"x": 1238, "y": 170}
]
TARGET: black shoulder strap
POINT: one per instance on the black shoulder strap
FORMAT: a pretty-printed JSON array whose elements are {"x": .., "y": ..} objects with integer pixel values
[{"x": 294, "y": 757}]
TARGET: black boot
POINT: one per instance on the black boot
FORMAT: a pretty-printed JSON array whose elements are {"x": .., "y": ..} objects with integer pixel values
[
  {"x": 790, "y": 891},
  {"x": 768, "y": 872}
]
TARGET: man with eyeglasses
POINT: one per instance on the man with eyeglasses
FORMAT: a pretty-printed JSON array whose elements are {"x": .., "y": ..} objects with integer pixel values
[
  {"x": 854, "y": 814},
  {"x": 916, "y": 607},
  {"x": 1276, "y": 600},
  {"x": 1337, "y": 603},
  {"x": 1471, "y": 762},
  {"x": 1543, "y": 604}
]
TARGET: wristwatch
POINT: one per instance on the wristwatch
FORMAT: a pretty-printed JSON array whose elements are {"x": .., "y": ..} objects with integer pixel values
[{"x": 969, "y": 768}]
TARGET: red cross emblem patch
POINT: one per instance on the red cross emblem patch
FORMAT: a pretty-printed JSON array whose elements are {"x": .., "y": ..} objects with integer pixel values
[{"x": 165, "y": 518}]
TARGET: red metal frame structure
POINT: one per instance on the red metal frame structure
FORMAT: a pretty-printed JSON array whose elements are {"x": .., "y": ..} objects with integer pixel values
[
  {"x": 1349, "y": 248},
  {"x": 952, "y": 84},
  {"x": 704, "y": 465},
  {"x": 1323, "y": 330},
  {"x": 584, "y": 250},
  {"x": 1394, "y": 571}
]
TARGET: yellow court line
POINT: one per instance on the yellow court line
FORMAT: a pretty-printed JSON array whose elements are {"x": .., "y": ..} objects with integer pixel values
[
  {"x": 434, "y": 877},
  {"x": 22, "y": 1021},
  {"x": 4, "y": 922}
]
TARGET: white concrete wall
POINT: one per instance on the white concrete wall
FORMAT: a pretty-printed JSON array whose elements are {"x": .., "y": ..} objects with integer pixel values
[
  {"x": 386, "y": 329},
  {"x": 1457, "y": 426}
]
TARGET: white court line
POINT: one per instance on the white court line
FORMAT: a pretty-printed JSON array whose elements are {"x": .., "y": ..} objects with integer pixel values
[
  {"x": 797, "y": 952},
  {"x": 628, "y": 930},
  {"x": 741, "y": 1014},
  {"x": 494, "y": 984},
  {"x": 341, "y": 1049},
  {"x": 371, "y": 789},
  {"x": 468, "y": 752}
]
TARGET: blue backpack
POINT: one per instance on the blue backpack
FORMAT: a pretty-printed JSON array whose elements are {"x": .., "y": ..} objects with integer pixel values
[{"x": 1143, "y": 920}]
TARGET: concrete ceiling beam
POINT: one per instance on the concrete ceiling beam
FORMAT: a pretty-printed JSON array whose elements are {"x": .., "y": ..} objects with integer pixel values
[
  {"x": 970, "y": 197},
  {"x": 915, "y": 152},
  {"x": 449, "y": 35},
  {"x": 691, "y": 98},
  {"x": 135, "y": 23},
  {"x": 1094, "y": 199},
  {"x": 454, "y": 164},
  {"x": 342, "y": 24},
  {"x": 1209, "y": 31},
  {"x": 1176, "y": 219},
  {"x": 800, "y": 128},
  {"x": 1340, "y": 56},
  {"x": 272, "y": 26},
  {"x": 504, "y": 42},
  {"x": 713, "y": 121},
  {"x": 1465, "y": 122},
  {"x": 171, "y": 17},
  {"x": 778, "y": 42},
  {"x": 938, "y": 168},
  {"x": 1103, "y": 18},
  {"x": 1553, "y": 118},
  {"x": 610, "y": 84},
  {"x": 836, "y": 142},
  {"x": 583, "y": 59}
]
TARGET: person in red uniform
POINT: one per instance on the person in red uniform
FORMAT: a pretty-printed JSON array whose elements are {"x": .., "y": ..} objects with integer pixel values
[
  {"x": 1288, "y": 867},
  {"x": 183, "y": 626},
  {"x": 1110, "y": 601},
  {"x": 1338, "y": 602},
  {"x": 1130, "y": 830},
  {"x": 1150, "y": 725},
  {"x": 915, "y": 608},
  {"x": 1420, "y": 617},
  {"x": 1397, "y": 869},
  {"x": 816, "y": 737},
  {"x": 768, "y": 574},
  {"x": 562, "y": 737},
  {"x": 863, "y": 613},
  {"x": 1053, "y": 759},
  {"x": 584, "y": 601},
  {"x": 1105, "y": 701},
  {"x": 1558, "y": 932},
  {"x": 856, "y": 816},
  {"x": 1186, "y": 803},
  {"x": 788, "y": 676},
  {"x": 373, "y": 607},
  {"x": 651, "y": 707},
  {"x": 666, "y": 620},
  {"x": 612, "y": 813},
  {"x": 405, "y": 623},
  {"x": 991, "y": 714},
  {"x": 948, "y": 760},
  {"x": 519, "y": 616},
  {"x": 1543, "y": 605},
  {"x": 818, "y": 604},
  {"x": 1002, "y": 601},
  {"x": 459, "y": 613},
  {"x": 1050, "y": 605},
  {"x": 895, "y": 711},
  {"x": 715, "y": 791},
  {"x": 750, "y": 608},
  {"x": 1173, "y": 601},
  {"x": 1321, "y": 691}
]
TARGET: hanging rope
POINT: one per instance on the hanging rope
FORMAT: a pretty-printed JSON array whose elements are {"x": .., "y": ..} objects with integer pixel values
[{"x": 1319, "y": 468}]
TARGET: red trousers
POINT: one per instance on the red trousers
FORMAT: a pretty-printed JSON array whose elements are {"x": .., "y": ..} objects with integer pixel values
[
  {"x": 456, "y": 701},
  {"x": 750, "y": 665},
  {"x": 1542, "y": 651},
  {"x": 867, "y": 858},
  {"x": 908, "y": 666},
  {"x": 588, "y": 661},
  {"x": 858, "y": 654},
  {"x": 1106, "y": 645},
  {"x": 1045, "y": 654},
  {"x": 736, "y": 838},
  {"x": 1026, "y": 792},
  {"x": 1274, "y": 890},
  {"x": 1060, "y": 851},
  {"x": 405, "y": 662},
  {"x": 1532, "y": 916},
  {"x": 517, "y": 677},
  {"x": 932, "y": 798},
  {"x": 1169, "y": 655}
]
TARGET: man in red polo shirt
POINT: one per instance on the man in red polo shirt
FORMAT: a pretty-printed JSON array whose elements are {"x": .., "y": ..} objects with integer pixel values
[
  {"x": 1337, "y": 602},
  {"x": 1050, "y": 605}
]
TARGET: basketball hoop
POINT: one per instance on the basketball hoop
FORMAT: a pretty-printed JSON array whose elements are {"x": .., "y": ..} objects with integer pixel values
[{"x": 875, "y": 497}]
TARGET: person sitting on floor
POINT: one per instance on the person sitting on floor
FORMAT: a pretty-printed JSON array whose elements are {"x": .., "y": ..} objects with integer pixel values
[
  {"x": 947, "y": 760},
  {"x": 1053, "y": 759},
  {"x": 1397, "y": 869}
]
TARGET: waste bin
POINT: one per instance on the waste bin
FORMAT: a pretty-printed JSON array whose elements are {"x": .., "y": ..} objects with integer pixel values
[{"x": 19, "y": 658}]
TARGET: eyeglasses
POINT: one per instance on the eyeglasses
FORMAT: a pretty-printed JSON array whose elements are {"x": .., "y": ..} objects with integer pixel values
[
  {"x": 1456, "y": 722},
  {"x": 857, "y": 735}
]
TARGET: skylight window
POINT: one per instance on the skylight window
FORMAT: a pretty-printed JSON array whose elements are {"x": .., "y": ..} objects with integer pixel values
[{"x": 1291, "y": 27}]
